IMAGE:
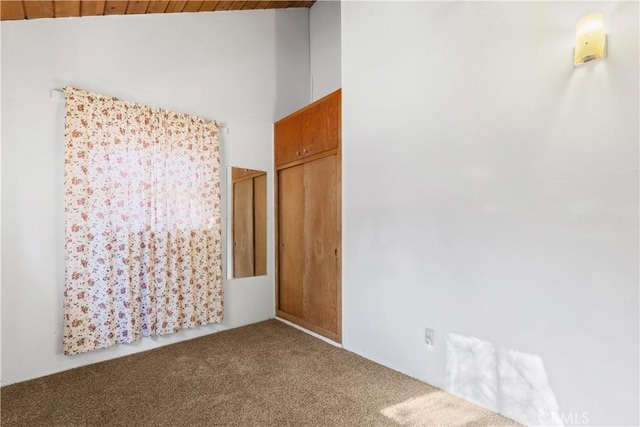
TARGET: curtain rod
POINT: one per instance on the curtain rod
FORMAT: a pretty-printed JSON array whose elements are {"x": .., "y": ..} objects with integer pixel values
[{"x": 57, "y": 94}]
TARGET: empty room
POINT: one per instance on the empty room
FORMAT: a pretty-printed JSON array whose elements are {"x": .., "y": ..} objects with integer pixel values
[{"x": 320, "y": 213}]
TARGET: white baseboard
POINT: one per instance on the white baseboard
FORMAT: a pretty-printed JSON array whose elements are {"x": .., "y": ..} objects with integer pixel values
[{"x": 313, "y": 334}]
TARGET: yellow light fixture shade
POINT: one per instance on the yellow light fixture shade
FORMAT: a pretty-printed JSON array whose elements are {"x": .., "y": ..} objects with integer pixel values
[{"x": 591, "y": 41}]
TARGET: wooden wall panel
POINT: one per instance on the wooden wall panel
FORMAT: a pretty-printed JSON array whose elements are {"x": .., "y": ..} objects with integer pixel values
[
  {"x": 243, "y": 252},
  {"x": 321, "y": 231},
  {"x": 260, "y": 224},
  {"x": 291, "y": 241}
]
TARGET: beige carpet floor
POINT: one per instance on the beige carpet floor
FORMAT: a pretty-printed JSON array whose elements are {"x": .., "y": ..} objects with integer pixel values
[{"x": 265, "y": 374}]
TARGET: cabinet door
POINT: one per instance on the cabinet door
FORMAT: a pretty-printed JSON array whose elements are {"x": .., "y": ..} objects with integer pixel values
[
  {"x": 290, "y": 232},
  {"x": 243, "y": 261},
  {"x": 260, "y": 224},
  {"x": 288, "y": 139},
  {"x": 321, "y": 125},
  {"x": 321, "y": 243}
]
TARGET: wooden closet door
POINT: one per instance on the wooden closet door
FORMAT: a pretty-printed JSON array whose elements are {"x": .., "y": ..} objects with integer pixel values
[
  {"x": 243, "y": 262},
  {"x": 321, "y": 231},
  {"x": 260, "y": 224},
  {"x": 291, "y": 229}
]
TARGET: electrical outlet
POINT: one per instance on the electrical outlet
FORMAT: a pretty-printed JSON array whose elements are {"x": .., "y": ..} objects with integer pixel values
[{"x": 429, "y": 336}]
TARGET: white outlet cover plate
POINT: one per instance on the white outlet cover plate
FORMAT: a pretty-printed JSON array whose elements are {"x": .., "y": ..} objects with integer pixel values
[{"x": 429, "y": 336}]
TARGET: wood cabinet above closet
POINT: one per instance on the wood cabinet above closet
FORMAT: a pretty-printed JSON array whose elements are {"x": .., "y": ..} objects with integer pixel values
[{"x": 311, "y": 130}]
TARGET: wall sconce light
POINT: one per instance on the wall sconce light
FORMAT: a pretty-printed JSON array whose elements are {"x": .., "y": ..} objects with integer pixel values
[{"x": 591, "y": 41}]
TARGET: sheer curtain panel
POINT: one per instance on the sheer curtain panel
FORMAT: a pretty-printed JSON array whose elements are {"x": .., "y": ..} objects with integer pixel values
[{"x": 142, "y": 222}]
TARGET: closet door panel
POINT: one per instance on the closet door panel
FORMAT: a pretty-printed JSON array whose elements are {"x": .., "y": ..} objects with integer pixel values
[
  {"x": 291, "y": 229},
  {"x": 260, "y": 224},
  {"x": 321, "y": 243},
  {"x": 243, "y": 228}
]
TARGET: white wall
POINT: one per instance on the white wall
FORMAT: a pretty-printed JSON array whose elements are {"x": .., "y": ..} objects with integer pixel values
[
  {"x": 490, "y": 189},
  {"x": 324, "y": 30},
  {"x": 242, "y": 68},
  {"x": 0, "y": 222}
]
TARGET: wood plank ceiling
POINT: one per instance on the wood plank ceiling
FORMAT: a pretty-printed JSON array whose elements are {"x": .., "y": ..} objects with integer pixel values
[{"x": 31, "y": 9}]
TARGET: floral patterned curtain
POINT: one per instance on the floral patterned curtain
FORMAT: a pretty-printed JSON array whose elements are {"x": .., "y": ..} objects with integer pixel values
[{"x": 142, "y": 222}]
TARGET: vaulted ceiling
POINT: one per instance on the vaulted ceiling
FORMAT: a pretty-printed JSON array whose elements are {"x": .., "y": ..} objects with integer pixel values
[{"x": 29, "y": 9}]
